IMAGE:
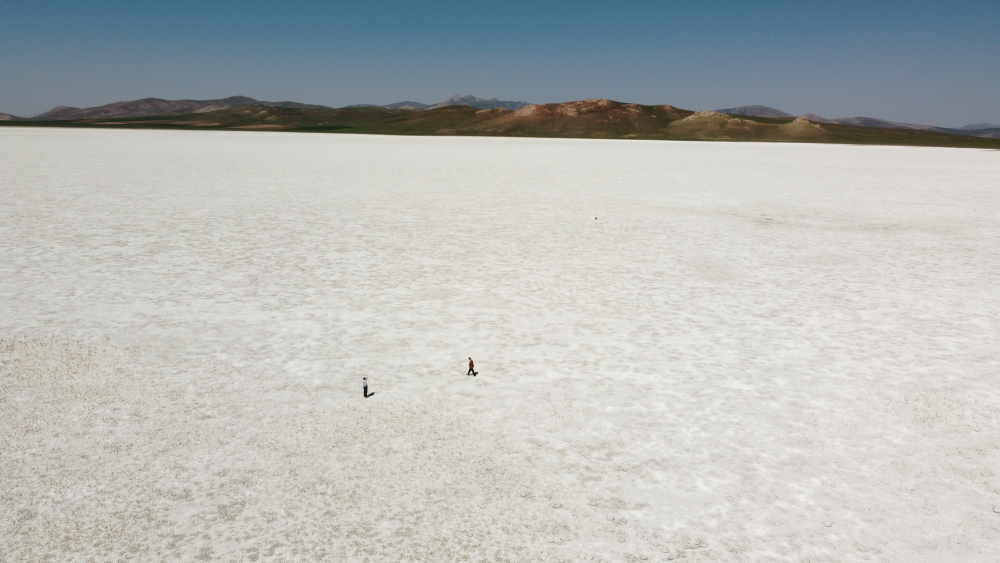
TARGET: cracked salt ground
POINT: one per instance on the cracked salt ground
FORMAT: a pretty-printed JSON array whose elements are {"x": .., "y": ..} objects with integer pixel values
[{"x": 730, "y": 365}]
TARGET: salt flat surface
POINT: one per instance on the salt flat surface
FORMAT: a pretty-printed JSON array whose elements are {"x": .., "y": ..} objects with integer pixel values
[{"x": 756, "y": 352}]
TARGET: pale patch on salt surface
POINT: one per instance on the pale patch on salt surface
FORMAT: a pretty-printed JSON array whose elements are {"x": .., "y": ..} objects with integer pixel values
[{"x": 756, "y": 353}]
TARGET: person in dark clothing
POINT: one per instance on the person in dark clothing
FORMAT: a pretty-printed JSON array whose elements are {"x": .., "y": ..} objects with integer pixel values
[
  {"x": 364, "y": 385},
  {"x": 472, "y": 370}
]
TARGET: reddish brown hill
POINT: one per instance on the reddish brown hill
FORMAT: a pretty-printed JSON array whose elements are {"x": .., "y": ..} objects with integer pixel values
[
  {"x": 611, "y": 119},
  {"x": 585, "y": 118},
  {"x": 144, "y": 107},
  {"x": 155, "y": 106}
]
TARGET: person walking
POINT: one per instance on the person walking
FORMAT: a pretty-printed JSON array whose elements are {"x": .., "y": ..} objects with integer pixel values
[
  {"x": 364, "y": 385},
  {"x": 472, "y": 370}
]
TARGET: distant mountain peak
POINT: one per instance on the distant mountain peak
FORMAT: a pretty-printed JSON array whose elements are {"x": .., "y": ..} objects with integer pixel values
[
  {"x": 480, "y": 103},
  {"x": 467, "y": 98},
  {"x": 408, "y": 105},
  {"x": 755, "y": 111},
  {"x": 458, "y": 100}
]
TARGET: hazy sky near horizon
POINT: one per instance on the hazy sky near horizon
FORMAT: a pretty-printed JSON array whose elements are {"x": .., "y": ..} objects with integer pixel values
[{"x": 915, "y": 61}]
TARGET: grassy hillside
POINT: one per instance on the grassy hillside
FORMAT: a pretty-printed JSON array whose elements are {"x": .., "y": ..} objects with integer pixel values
[{"x": 603, "y": 119}]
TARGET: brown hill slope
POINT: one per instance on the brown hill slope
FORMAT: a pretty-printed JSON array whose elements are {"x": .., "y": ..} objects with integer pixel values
[
  {"x": 605, "y": 119},
  {"x": 143, "y": 107},
  {"x": 156, "y": 106},
  {"x": 712, "y": 125},
  {"x": 585, "y": 118},
  {"x": 610, "y": 119}
]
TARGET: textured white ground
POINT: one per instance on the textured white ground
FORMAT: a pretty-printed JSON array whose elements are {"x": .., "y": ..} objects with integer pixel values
[{"x": 757, "y": 352}]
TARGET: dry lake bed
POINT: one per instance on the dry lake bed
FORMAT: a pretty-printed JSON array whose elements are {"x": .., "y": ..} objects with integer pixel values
[{"x": 703, "y": 352}]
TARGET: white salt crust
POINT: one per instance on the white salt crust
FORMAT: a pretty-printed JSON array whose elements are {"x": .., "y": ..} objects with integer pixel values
[{"x": 756, "y": 352}]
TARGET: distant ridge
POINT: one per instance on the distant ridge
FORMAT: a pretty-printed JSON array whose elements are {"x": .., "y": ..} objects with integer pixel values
[
  {"x": 147, "y": 107},
  {"x": 157, "y": 106},
  {"x": 408, "y": 105},
  {"x": 456, "y": 100},
  {"x": 978, "y": 130},
  {"x": 480, "y": 103},
  {"x": 993, "y": 133},
  {"x": 881, "y": 123},
  {"x": 595, "y": 119},
  {"x": 755, "y": 111},
  {"x": 874, "y": 122},
  {"x": 978, "y": 126}
]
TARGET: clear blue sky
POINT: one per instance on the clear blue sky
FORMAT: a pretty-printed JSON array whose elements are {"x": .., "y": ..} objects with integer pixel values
[{"x": 917, "y": 61}]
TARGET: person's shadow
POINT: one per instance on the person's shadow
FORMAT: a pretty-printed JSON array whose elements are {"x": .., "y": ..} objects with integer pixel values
[{"x": 372, "y": 394}]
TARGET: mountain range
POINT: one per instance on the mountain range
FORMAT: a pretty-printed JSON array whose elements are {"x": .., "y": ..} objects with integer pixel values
[
  {"x": 456, "y": 100},
  {"x": 587, "y": 118},
  {"x": 480, "y": 103},
  {"x": 979, "y": 129},
  {"x": 598, "y": 119},
  {"x": 159, "y": 107}
]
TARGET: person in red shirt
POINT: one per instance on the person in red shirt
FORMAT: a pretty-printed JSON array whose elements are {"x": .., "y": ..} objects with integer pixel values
[{"x": 472, "y": 370}]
